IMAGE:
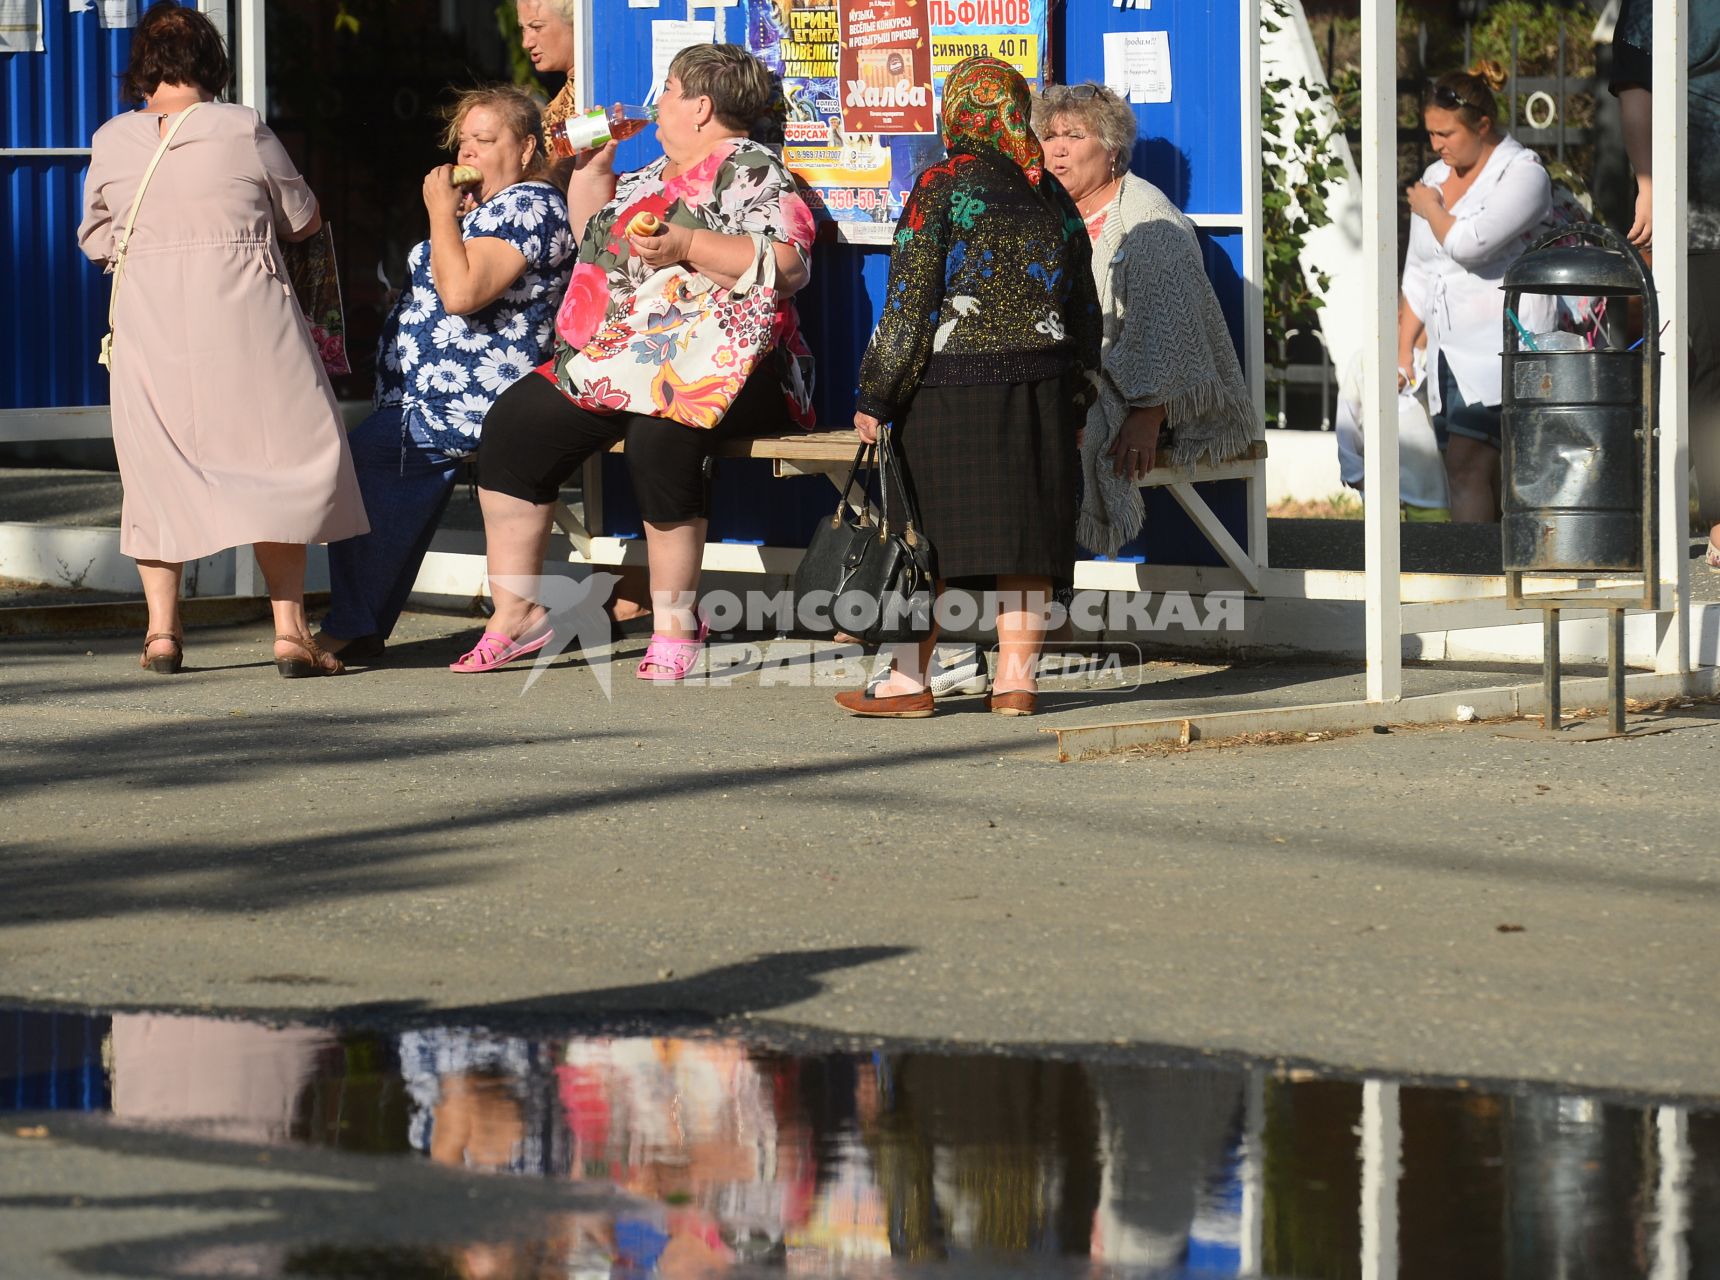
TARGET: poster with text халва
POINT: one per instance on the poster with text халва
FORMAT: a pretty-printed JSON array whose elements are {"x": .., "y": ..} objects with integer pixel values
[
  {"x": 884, "y": 64},
  {"x": 863, "y": 177}
]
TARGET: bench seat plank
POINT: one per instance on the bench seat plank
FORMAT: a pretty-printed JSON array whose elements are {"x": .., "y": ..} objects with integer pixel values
[{"x": 839, "y": 446}]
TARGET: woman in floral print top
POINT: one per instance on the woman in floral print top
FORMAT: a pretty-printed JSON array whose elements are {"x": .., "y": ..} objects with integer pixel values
[
  {"x": 739, "y": 189},
  {"x": 717, "y": 196}
]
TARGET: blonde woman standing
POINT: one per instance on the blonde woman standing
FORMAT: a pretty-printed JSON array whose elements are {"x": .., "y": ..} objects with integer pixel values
[{"x": 546, "y": 34}]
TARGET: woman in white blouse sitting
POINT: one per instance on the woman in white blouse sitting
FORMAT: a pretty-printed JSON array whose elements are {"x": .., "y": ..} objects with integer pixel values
[{"x": 1476, "y": 209}]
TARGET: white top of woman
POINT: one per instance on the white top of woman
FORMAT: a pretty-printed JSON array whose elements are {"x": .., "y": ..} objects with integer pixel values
[{"x": 1454, "y": 287}]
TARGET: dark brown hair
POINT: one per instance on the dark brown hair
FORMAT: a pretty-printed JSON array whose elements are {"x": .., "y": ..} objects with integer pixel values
[
  {"x": 175, "y": 45},
  {"x": 1469, "y": 93},
  {"x": 732, "y": 78}
]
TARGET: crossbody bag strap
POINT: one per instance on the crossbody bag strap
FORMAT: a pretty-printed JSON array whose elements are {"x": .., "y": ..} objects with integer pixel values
[{"x": 131, "y": 214}]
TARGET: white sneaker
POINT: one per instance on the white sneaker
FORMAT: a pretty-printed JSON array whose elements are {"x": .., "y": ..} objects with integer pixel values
[{"x": 963, "y": 672}]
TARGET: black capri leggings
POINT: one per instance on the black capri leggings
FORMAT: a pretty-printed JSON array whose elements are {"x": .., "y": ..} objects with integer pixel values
[{"x": 534, "y": 438}]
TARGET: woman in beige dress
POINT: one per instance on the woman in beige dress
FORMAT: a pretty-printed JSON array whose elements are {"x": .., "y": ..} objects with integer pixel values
[{"x": 226, "y": 427}]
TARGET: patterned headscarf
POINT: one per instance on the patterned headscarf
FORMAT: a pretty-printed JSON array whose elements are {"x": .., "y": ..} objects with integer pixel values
[{"x": 987, "y": 105}]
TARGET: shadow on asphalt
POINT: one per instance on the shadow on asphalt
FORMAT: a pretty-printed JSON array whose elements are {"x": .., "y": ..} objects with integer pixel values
[{"x": 771, "y": 981}]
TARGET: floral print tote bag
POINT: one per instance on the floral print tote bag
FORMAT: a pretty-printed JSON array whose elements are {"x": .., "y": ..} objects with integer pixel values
[{"x": 681, "y": 348}]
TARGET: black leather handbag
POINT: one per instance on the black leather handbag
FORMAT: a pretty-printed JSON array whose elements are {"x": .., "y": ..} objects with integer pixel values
[{"x": 860, "y": 576}]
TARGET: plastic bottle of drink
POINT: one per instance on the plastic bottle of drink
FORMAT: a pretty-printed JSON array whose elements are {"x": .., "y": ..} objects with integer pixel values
[{"x": 598, "y": 126}]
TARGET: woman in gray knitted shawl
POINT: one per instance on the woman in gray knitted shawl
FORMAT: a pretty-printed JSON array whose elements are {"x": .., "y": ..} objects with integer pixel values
[{"x": 1167, "y": 355}]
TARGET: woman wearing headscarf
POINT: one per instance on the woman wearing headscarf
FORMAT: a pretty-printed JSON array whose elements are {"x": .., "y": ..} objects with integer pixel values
[{"x": 982, "y": 365}]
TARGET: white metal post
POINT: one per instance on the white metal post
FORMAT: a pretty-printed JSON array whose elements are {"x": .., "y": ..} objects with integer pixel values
[
  {"x": 1384, "y": 611},
  {"x": 1382, "y": 1167},
  {"x": 219, "y": 13},
  {"x": 253, "y": 92},
  {"x": 1671, "y": 1258},
  {"x": 1671, "y": 277},
  {"x": 1253, "y": 270},
  {"x": 252, "y": 57},
  {"x": 584, "y": 56},
  {"x": 1253, "y": 1233}
]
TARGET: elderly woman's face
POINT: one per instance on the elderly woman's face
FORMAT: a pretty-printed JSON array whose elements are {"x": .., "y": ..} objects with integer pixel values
[
  {"x": 1075, "y": 155},
  {"x": 493, "y": 149},
  {"x": 547, "y": 40}
]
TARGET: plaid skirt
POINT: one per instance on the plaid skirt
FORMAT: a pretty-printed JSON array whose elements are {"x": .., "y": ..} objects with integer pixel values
[{"x": 994, "y": 470}]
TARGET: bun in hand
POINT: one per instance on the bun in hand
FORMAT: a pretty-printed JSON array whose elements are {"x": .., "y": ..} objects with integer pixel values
[
  {"x": 464, "y": 175},
  {"x": 644, "y": 224}
]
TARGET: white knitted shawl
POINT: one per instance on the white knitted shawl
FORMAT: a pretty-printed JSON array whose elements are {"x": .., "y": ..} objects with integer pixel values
[{"x": 1165, "y": 343}]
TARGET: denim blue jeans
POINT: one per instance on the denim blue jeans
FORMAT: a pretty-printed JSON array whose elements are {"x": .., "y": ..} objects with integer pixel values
[{"x": 406, "y": 483}]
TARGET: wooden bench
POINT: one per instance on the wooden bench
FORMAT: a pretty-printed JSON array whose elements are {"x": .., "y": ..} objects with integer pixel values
[{"x": 831, "y": 453}]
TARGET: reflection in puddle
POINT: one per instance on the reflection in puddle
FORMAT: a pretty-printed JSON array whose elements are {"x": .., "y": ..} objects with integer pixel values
[{"x": 729, "y": 1154}]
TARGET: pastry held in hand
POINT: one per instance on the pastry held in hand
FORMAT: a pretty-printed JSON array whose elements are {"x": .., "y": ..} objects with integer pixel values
[
  {"x": 465, "y": 175},
  {"x": 645, "y": 224}
]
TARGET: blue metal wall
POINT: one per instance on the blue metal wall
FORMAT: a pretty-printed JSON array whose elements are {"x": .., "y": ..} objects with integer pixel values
[
  {"x": 53, "y": 1062},
  {"x": 1190, "y": 147},
  {"x": 53, "y": 303}
]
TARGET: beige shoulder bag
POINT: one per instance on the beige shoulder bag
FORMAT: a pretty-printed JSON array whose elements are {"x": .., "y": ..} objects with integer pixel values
[{"x": 105, "y": 359}]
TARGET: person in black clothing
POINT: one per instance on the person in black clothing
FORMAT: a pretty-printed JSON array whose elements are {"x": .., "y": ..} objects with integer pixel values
[
  {"x": 1632, "y": 74},
  {"x": 983, "y": 366}
]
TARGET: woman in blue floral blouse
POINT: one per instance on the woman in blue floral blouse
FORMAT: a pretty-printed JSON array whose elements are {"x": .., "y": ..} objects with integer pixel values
[{"x": 477, "y": 315}]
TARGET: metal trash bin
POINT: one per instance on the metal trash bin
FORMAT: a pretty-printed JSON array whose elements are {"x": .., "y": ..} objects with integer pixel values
[
  {"x": 1579, "y": 447},
  {"x": 1578, "y": 428}
]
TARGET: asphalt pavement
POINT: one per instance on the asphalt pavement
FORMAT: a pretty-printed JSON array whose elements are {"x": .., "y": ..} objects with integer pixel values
[{"x": 401, "y": 841}]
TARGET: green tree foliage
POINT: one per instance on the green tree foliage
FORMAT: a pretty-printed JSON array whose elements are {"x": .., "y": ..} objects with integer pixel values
[{"x": 1299, "y": 167}]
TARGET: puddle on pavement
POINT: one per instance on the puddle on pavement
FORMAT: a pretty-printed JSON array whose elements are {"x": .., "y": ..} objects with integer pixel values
[{"x": 733, "y": 1157}]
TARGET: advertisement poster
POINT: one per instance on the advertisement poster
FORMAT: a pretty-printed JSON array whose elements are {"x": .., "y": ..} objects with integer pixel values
[
  {"x": 859, "y": 178},
  {"x": 1014, "y": 31},
  {"x": 885, "y": 66}
]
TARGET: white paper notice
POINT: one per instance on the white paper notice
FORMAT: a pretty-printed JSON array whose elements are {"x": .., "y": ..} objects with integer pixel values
[
  {"x": 118, "y": 13},
  {"x": 80, "y": 6},
  {"x": 20, "y": 26},
  {"x": 642, "y": 4},
  {"x": 667, "y": 39},
  {"x": 1138, "y": 64}
]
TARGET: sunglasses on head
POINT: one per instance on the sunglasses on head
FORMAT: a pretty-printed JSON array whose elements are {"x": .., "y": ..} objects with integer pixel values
[
  {"x": 1445, "y": 96},
  {"x": 1083, "y": 92}
]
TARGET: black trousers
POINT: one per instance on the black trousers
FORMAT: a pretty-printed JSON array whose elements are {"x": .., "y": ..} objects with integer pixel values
[{"x": 534, "y": 438}]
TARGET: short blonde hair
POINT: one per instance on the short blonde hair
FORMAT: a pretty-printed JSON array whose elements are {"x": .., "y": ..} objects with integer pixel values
[
  {"x": 562, "y": 9},
  {"x": 518, "y": 110},
  {"x": 1104, "y": 115},
  {"x": 736, "y": 82}
]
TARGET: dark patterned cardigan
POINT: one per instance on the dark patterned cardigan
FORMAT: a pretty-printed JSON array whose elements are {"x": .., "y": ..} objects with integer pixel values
[{"x": 990, "y": 281}]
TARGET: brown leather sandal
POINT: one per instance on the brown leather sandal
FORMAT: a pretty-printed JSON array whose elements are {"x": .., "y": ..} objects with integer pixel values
[
  {"x": 163, "y": 664},
  {"x": 314, "y": 663},
  {"x": 1016, "y": 702}
]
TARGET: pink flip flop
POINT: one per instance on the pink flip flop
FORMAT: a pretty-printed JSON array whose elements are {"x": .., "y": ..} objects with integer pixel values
[
  {"x": 669, "y": 658},
  {"x": 1712, "y": 556},
  {"x": 496, "y": 649}
]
